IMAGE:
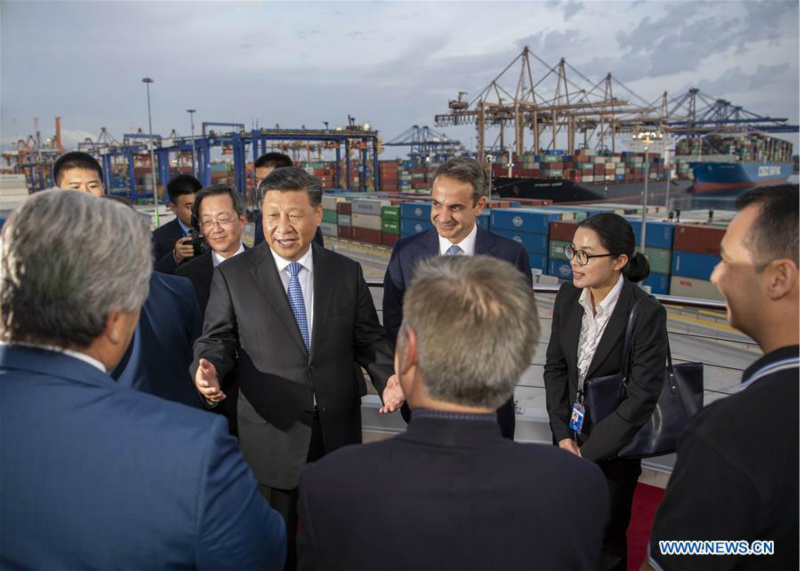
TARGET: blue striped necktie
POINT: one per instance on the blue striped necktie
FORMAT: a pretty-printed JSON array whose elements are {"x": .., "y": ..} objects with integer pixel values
[
  {"x": 297, "y": 303},
  {"x": 454, "y": 250}
]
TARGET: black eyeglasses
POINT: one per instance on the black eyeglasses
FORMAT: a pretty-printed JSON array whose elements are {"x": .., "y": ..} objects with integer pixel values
[{"x": 580, "y": 256}]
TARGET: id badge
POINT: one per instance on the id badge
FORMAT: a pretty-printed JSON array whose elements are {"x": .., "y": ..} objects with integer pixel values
[{"x": 576, "y": 420}]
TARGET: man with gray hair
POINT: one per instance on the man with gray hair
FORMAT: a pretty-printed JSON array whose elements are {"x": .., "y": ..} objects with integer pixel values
[
  {"x": 451, "y": 492},
  {"x": 93, "y": 475},
  {"x": 459, "y": 190}
]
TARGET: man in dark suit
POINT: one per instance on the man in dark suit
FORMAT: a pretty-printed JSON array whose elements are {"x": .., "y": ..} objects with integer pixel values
[
  {"x": 172, "y": 242},
  {"x": 219, "y": 216},
  {"x": 158, "y": 358},
  {"x": 96, "y": 476},
  {"x": 290, "y": 318},
  {"x": 264, "y": 165},
  {"x": 451, "y": 492},
  {"x": 460, "y": 189}
]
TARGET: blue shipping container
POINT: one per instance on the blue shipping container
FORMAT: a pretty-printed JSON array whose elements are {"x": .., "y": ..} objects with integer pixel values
[
  {"x": 691, "y": 265},
  {"x": 408, "y": 227},
  {"x": 560, "y": 269},
  {"x": 659, "y": 283},
  {"x": 536, "y": 244},
  {"x": 659, "y": 233},
  {"x": 539, "y": 262},
  {"x": 532, "y": 220},
  {"x": 416, "y": 211},
  {"x": 484, "y": 220}
]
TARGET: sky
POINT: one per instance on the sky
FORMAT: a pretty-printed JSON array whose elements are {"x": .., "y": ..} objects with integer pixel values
[{"x": 389, "y": 64}]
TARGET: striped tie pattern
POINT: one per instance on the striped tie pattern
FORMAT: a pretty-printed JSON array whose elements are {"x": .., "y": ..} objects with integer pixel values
[
  {"x": 297, "y": 303},
  {"x": 454, "y": 250}
]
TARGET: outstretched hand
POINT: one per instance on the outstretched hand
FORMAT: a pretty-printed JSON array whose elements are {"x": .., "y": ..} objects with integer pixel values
[
  {"x": 392, "y": 397},
  {"x": 207, "y": 382}
]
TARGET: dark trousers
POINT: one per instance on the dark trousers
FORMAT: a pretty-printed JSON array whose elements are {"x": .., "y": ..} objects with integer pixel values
[
  {"x": 621, "y": 476},
  {"x": 506, "y": 417},
  {"x": 285, "y": 501}
]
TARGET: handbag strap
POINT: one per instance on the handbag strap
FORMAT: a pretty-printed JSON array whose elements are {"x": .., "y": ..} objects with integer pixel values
[{"x": 627, "y": 347}]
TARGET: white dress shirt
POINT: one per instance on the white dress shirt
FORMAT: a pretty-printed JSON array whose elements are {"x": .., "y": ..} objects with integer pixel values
[
  {"x": 467, "y": 245},
  {"x": 593, "y": 326},
  {"x": 217, "y": 259},
  {"x": 305, "y": 276}
]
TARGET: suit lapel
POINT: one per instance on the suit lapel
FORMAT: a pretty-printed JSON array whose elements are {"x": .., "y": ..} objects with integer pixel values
[
  {"x": 617, "y": 324},
  {"x": 265, "y": 273},
  {"x": 572, "y": 332},
  {"x": 323, "y": 293},
  {"x": 484, "y": 242}
]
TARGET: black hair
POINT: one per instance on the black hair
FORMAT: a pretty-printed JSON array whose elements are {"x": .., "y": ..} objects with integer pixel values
[
  {"x": 75, "y": 160},
  {"x": 466, "y": 169},
  {"x": 180, "y": 185},
  {"x": 616, "y": 235},
  {"x": 774, "y": 234},
  {"x": 214, "y": 190},
  {"x": 275, "y": 160},
  {"x": 289, "y": 179}
]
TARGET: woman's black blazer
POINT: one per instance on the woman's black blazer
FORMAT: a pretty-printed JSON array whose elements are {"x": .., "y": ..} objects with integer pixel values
[{"x": 647, "y": 370}]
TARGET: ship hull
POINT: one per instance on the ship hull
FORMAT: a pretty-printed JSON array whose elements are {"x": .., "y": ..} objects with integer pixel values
[
  {"x": 733, "y": 178},
  {"x": 563, "y": 191}
]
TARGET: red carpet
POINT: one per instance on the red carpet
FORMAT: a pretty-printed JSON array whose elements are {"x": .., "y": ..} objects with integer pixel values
[{"x": 645, "y": 503}]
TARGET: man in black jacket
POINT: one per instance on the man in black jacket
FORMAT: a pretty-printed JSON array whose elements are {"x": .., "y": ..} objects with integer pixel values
[
  {"x": 736, "y": 478},
  {"x": 451, "y": 492},
  {"x": 172, "y": 242}
]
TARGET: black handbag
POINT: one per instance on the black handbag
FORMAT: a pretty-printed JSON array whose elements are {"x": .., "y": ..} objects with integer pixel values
[{"x": 680, "y": 399}]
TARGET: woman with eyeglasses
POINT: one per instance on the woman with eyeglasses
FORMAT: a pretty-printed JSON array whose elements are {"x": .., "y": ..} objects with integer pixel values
[{"x": 590, "y": 318}]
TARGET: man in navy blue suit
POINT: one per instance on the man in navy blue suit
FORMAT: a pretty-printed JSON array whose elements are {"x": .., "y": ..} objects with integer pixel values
[
  {"x": 460, "y": 190},
  {"x": 172, "y": 242},
  {"x": 94, "y": 475},
  {"x": 451, "y": 492}
]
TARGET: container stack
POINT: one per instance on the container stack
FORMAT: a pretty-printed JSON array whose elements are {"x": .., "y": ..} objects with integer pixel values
[
  {"x": 330, "y": 214},
  {"x": 344, "y": 223},
  {"x": 366, "y": 219},
  {"x": 561, "y": 233},
  {"x": 415, "y": 217},
  {"x": 389, "y": 172},
  {"x": 530, "y": 227},
  {"x": 695, "y": 256},
  {"x": 390, "y": 225}
]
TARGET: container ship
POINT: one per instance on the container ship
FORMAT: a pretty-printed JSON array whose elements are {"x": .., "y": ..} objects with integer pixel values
[
  {"x": 588, "y": 176},
  {"x": 728, "y": 165}
]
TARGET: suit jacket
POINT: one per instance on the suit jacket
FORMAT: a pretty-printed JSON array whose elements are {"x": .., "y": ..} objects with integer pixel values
[
  {"x": 410, "y": 251},
  {"x": 258, "y": 236},
  {"x": 249, "y": 315},
  {"x": 647, "y": 367},
  {"x": 164, "y": 239},
  {"x": 451, "y": 494},
  {"x": 95, "y": 476},
  {"x": 158, "y": 358},
  {"x": 200, "y": 270}
]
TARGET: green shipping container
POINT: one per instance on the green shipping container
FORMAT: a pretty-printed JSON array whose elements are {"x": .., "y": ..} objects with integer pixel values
[
  {"x": 390, "y": 226},
  {"x": 329, "y": 216},
  {"x": 557, "y": 250},
  {"x": 390, "y": 213},
  {"x": 660, "y": 260}
]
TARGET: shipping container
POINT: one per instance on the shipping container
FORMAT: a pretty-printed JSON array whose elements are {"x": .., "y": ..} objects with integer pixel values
[
  {"x": 691, "y": 265},
  {"x": 696, "y": 288},
  {"x": 535, "y": 244},
  {"x": 367, "y": 234},
  {"x": 368, "y": 221},
  {"x": 699, "y": 239},
  {"x": 329, "y": 229},
  {"x": 658, "y": 283},
  {"x": 560, "y": 269},
  {"x": 345, "y": 231},
  {"x": 416, "y": 211},
  {"x": 535, "y": 220},
  {"x": 411, "y": 226}
]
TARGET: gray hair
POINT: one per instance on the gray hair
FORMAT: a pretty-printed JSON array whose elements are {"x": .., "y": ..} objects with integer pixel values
[
  {"x": 466, "y": 169},
  {"x": 68, "y": 260},
  {"x": 292, "y": 179},
  {"x": 477, "y": 326}
]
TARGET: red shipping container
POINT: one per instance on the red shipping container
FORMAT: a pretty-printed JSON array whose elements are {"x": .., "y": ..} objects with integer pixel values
[
  {"x": 562, "y": 230},
  {"x": 698, "y": 239},
  {"x": 366, "y": 235},
  {"x": 344, "y": 208},
  {"x": 344, "y": 231},
  {"x": 389, "y": 239}
]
